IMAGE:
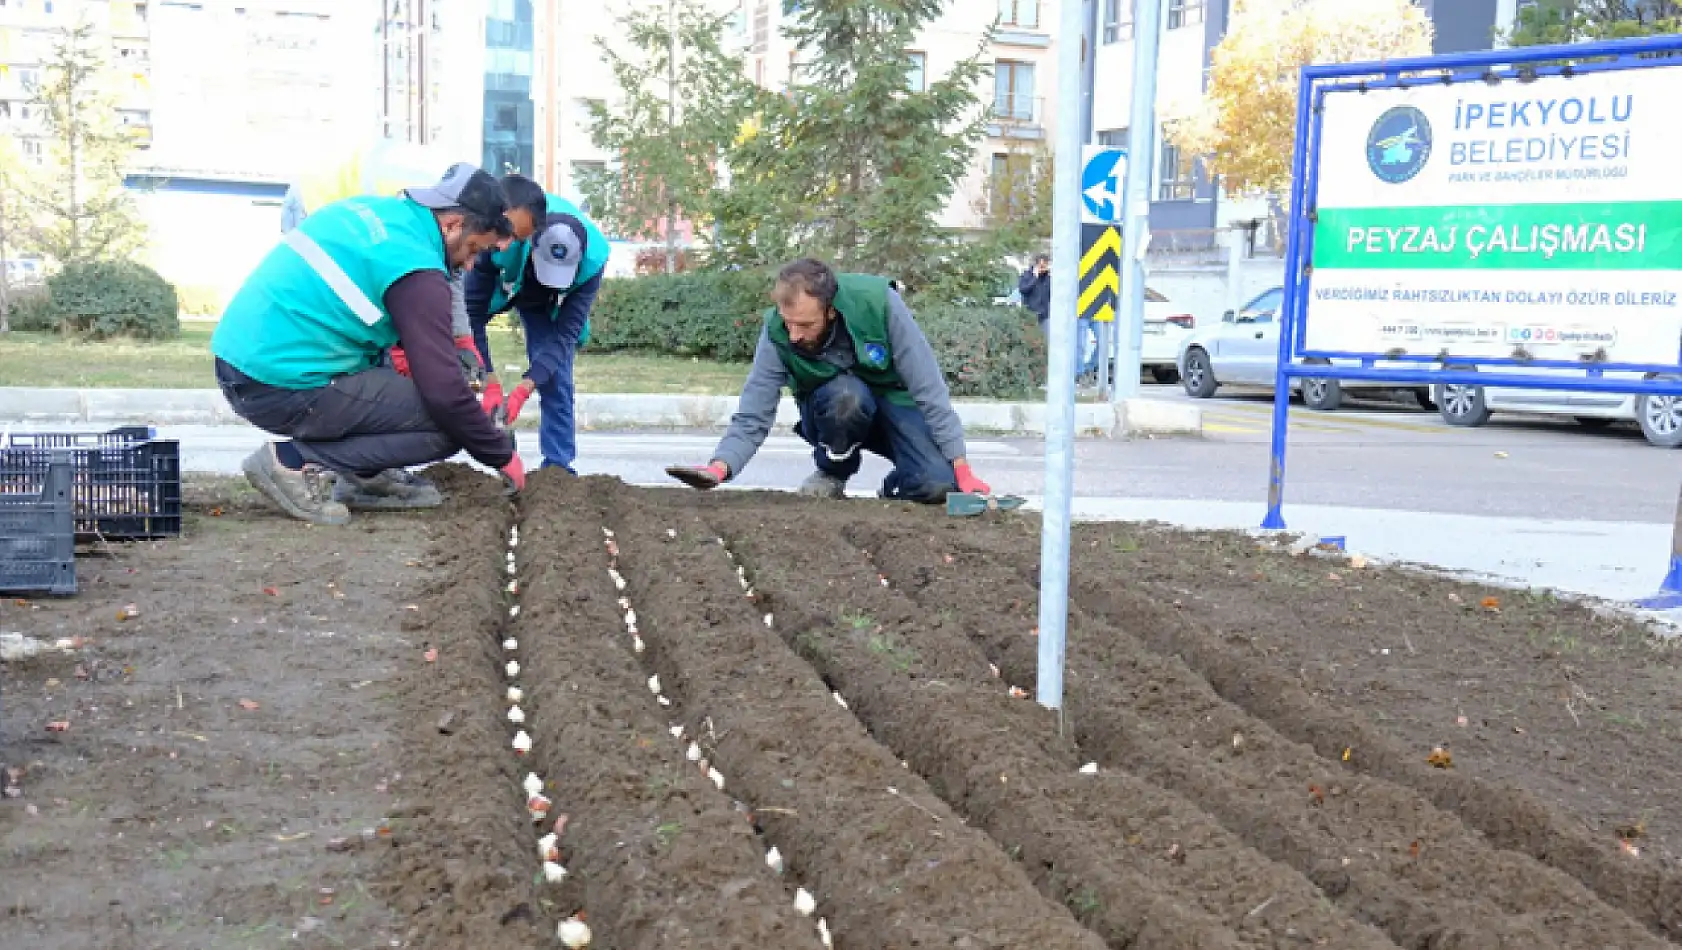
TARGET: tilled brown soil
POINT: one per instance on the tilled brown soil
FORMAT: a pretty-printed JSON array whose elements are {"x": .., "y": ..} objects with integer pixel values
[{"x": 713, "y": 676}]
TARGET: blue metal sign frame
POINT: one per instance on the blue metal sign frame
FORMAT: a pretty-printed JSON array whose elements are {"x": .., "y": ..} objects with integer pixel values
[{"x": 1523, "y": 65}]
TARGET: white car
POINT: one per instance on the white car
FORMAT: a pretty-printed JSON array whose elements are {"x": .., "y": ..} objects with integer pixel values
[
  {"x": 1164, "y": 331},
  {"x": 1659, "y": 417},
  {"x": 1243, "y": 351}
]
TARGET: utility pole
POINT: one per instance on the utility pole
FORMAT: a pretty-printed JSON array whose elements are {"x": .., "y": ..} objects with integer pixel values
[
  {"x": 671, "y": 130},
  {"x": 1136, "y": 203},
  {"x": 1060, "y": 382}
]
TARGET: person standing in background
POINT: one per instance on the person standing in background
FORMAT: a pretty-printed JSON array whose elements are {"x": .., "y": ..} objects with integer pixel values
[{"x": 1035, "y": 287}]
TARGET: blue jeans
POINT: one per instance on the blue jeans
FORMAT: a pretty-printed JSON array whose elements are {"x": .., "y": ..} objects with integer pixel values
[
  {"x": 551, "y": 346},
  {"x": 1087, "y": 329},
  {"x": 844, "y": 413}
]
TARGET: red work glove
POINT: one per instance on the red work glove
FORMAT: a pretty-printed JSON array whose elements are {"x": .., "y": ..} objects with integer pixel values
[
  {"x": 518, "y": 398},
  {"x": 492, "y": 400},
  {"x": 967, "y": 482},
  {"x": 515, "y": 473},
  {"x": 700, "y": 476},
  {"x": 466, "y": 343},
  {"x": 399, "y": 361}
]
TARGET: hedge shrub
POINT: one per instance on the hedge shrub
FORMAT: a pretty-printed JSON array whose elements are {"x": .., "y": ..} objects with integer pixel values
[
  {"x": 103, "y": 299},
  {"x": 985, "y": 351},
  {"x": 710, "y": 314},
  {"x": 31, "y": 308}
]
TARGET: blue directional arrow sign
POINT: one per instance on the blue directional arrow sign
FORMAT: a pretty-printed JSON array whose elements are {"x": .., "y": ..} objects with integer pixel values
[{"x": 1100, "y": 184}]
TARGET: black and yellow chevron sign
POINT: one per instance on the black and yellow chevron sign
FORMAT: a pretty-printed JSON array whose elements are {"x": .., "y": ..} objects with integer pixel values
[{"x": 1100, "y": 272}]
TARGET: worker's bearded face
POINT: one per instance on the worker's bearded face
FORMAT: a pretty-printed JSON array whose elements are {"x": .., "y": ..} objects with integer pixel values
[
  {"x": 808, "y": 320},
  {"x": 461, "y": 246}
]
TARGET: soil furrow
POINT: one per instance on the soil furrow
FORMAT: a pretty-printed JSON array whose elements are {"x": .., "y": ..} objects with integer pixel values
[
  {"x": 1510, "y": 817},
  {"x": 658, "y": 856},
  {"x": 1142, "y": 867},
  {"x": 1383, "y": 852},
  {"x": 462, "y": 863},
  {"x": 891, "y": 866}
]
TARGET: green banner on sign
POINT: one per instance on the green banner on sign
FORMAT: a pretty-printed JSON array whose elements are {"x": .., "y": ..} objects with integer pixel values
[{"x": 1631, "y": 235}]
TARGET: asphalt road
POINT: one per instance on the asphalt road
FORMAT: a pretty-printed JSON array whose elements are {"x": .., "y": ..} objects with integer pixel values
[{"x": 1373, "y": 455}]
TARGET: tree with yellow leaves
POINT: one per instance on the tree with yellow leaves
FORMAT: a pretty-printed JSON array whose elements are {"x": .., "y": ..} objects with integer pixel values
[{"x": 1245, "y": 126}]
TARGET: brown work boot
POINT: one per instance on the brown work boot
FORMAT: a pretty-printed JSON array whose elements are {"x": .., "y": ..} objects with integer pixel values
[{"x": 305, "y": 494}]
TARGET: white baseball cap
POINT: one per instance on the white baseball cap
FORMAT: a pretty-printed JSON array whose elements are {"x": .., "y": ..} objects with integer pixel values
[{"x": 556, "y": 253}]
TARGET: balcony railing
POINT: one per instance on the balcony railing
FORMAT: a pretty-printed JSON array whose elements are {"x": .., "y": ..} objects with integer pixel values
[{"x": 1010, "y": 108}]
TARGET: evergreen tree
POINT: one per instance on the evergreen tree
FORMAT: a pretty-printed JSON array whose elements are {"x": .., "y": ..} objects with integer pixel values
[
  {"x": 682, "y": 101},
  {"x": 80, "y": 210},
  {"x": 852, "y": 164}
]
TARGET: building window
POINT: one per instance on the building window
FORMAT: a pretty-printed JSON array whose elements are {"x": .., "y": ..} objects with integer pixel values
[
  {"x": 917, "y": 80},
  {"x": 1184, "y": 13},
  {"x": 794, "y": 67},
  {"x": 507, "y": 119},
  {"x": 1112, "y": 138},
  {"x": 1020, "y": 13},
  {"x": 31, "y": 150},
  {"x": 761, "y": 26},
  {"x": 1013, "y": 91},
  {"x": 1174, "y": 176},
  {"x": 1118, "y": 21},
  {"x": 584, "y": 174}
]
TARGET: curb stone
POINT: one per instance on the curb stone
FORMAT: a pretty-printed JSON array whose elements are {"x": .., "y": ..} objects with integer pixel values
[{"x": 1141, "y": 417}]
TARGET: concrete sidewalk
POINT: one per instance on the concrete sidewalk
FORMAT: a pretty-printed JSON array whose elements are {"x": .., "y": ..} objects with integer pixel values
[
  {"x": 1614, "y": 561},
  {"x": 1135, "y": 417}
]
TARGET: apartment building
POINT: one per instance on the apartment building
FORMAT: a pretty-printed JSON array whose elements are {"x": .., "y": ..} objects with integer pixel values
[
  {"x": 27, "y": 31},
  {"x": 1182, "y": 198},
  {"x": 569, "y": 77},
  {"x": 226, "y": 99},
  {"x": 1189, "y": 219},
  {"x": 1021, "y": 89}
]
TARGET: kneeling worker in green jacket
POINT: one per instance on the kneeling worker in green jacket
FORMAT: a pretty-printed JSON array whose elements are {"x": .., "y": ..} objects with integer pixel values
[
  {"x": 865, "y": 379},
  {"x": 300, "y": 351}
]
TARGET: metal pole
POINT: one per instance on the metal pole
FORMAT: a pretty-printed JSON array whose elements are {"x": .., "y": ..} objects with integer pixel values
[
  {"x": 1275, "y": 517},
  {"x": 1235, "y": 266},
  {"x": 1088, "y": 83},
  {"x": 1060, "y": 382},
  {"x": 1136, "y": 206}
]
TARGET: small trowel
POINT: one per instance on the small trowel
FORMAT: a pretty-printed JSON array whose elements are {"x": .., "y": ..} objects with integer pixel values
[{"x": 965, "y": 504}]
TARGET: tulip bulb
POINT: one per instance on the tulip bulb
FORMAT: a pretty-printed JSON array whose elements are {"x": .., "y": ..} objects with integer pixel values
[
  {"x": 548, "y": 847},
  {"x": 774, "y": 859},
  {"x": 510, "y": 644},
  {"x": 694, "y": 753},
  {"x": 516, "y": 715},
  {"x": 513, "y": 668},
  {"x": 804, "y": 902},
  {"x": 532, "y": 784},
  {"x": 717, "y": 778},
  {"x": 538, "y": 805},
  {"x": 553, "y": 873},
  {"x": 515, "y": 694},
  {"x": 654, "y": 685},
  {"x": 522, "y": 742},
  {"x": 573, "y": 933}
]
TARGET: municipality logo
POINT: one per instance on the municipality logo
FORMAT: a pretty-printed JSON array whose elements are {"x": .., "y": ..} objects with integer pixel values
[{"x": 1399, "y": 144}]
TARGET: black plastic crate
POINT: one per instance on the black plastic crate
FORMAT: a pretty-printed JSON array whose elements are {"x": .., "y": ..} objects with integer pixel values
[
  {"x": 38, "y": 534},
  {"x": 126, "y": 484}
]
